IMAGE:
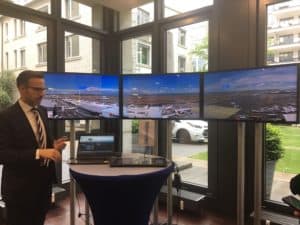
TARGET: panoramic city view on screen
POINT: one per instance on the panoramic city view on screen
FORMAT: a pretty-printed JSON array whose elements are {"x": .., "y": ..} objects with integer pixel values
[
  {"x": 161, "y": 96},
  {"x": 81, "y": 96},
  {"x": 263, "y": 94}
]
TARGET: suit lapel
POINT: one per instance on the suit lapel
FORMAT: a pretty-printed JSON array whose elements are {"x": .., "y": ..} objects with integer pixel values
[{"x": 22, "y": 122}]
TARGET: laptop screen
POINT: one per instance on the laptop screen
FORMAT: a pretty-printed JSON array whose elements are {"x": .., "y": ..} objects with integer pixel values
[{"x": 95, "y": 145}]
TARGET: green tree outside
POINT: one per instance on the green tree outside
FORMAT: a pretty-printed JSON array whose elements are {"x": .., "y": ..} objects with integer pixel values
[
  {"x": 7, "y": 89},
  {"x": 201, "y": 50}
]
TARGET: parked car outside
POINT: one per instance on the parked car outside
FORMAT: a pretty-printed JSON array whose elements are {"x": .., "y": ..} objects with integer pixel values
[{"x": 187, "y": 131}]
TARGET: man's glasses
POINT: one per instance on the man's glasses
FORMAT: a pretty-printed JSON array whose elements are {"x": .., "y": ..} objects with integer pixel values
[{"x": 37, "y": 89}]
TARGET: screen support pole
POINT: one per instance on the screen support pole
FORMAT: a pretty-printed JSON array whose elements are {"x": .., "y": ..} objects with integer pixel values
[
  {"x": 155, "y": 152},
  {"x": 72, "y": 182},
  {"x": 86, "y": 204},
  {"x": 169, "y": 180},
  {"x": 258, "y": 172},
  {"x": 240, "y": 172}
]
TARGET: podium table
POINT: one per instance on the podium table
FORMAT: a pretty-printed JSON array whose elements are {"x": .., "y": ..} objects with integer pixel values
[{"x": 120, "y": 195}]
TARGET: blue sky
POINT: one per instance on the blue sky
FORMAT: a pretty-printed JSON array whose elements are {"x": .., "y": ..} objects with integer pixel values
[
  {"x": 281, "y": 77},
  {"x": 69, "y": 81},
  {"x": 162, "y": 84}
]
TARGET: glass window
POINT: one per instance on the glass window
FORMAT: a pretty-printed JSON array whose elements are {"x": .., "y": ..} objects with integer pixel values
[
  {"x": 142, "y": 16},
  {"x": 16, "y": 58},
  {"x": 16, "y": 28},
  {"x": 136, "y": 15},
  {"x": 33, "y": 4},
  {"x": 79, "y": 12},
  {"x": 20, "y": 48},
  {"x": 181, "y": 37},
  {"x": 72, "y": 9},
  {"x": 7, "y": 60},
  {"x": 286, "y": 39},
  {"x": 23, "y": 57},
  {"x": 174, "y": 7},
  {"x": 281, "y": 29},
  {"x": 279, "y": 171},
  {"x": 136, "y": 55},
  {"x": 42, "y": 53},
  {"x": 190, "y": 137},
  {"x": 284, "y": 22},
  {"x": 286, "y": 57},
  {"x": 72, "y": 46},
  {"x": 6, "y": 36},
  {"x": 181, "y": 63},
  {"x": 22, "y": 27},
  {"x": 82, "y": 53},
  {"x": 143, "y": 54},
  {"x": 136, "y": 132},
  {"x": 86, "y": 60},
  {"x": 195, "y": 49},
  {"x": 44, "y": 9}
]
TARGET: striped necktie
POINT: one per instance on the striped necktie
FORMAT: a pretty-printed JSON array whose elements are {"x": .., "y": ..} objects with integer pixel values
[{"x": 40, "y": 134}]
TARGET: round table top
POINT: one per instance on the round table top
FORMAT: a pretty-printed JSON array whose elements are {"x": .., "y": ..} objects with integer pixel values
[{"x": 106, "y": 170}]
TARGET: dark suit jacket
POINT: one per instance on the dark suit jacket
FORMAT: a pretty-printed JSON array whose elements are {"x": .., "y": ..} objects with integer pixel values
[{"x": 22, "y": 173}]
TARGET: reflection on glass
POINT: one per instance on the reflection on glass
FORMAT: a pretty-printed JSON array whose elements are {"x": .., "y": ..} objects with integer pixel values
[
  {"x": 139, "y": 136},
  {"x": 187, "y": 48},
  {"x": 283, "y": 42},
  {"x": 174, "y": 7},
  {"x": 137, "y": 15}
]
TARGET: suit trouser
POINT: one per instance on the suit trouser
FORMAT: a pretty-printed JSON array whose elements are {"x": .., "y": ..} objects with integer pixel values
[{"x": 28, "y": 208}]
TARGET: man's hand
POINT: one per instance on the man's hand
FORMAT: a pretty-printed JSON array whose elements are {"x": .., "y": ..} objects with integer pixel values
[
  {"x": 50, "y": 153},
  {"x": 297, "y": 213},
  {"x": 59, "y": 144}
]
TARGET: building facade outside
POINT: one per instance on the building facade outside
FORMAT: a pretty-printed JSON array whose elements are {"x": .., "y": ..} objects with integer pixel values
[{"x": 283, "y": 33}]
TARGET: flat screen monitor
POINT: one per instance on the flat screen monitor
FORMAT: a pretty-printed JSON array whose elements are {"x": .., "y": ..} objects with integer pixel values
[
  {"x": 163, "y": 96},
  {"x": 266, "y": 94},
  {"x": 81, "y": 96}
]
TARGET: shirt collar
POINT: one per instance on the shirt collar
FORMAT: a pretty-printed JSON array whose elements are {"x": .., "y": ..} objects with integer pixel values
[{"x": 25, "y": 107}]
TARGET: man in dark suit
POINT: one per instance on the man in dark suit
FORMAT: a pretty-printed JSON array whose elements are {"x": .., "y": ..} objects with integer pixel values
[{"x": 28, "y": 164}]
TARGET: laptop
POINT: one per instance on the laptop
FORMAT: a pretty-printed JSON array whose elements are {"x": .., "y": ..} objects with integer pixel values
[{"x": 94, "y": 149}]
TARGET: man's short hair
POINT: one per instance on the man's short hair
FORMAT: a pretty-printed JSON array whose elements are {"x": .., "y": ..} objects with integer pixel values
[
  {"x": 295, "y": 185},
  {"x": 26, "y": 75}
]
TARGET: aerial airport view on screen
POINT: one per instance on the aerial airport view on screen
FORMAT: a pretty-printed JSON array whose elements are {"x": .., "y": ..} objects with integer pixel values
[
  {"x": 161, "y": 96},
  {"x": 86, "y": 96},
  {"x": 261, "y": 94}
]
